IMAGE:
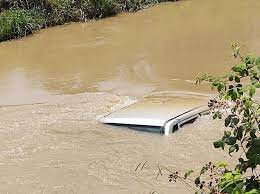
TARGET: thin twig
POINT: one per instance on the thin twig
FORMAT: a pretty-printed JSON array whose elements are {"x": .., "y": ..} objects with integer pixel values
[
  {"x": 143, "y": 165},
  {"x": 181, "y": 179},
  {"x": 159, "y": 172},
  {"x": 137, "y": 166}
]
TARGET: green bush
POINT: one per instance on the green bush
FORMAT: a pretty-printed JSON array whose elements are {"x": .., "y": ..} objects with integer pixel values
[
  {"x": 19, "y": 22},
  {"x": 242, "y": 120},
  {"x": 24, "y": 4},
  {"x": 134, "y": 5},
  {"x": 59, "y": 12},
  {"x": 240, "y": 111},
  {"x": 103, "y": 8},
  {"x": 21, "y": 17},
  {"x": 63, "y": 11}
]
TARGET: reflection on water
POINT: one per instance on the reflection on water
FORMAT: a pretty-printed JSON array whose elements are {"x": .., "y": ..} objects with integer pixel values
[{"x": 55, "y": 84}]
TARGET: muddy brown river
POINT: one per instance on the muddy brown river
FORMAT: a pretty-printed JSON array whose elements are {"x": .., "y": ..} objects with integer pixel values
[{"x": 55, "y": 85}]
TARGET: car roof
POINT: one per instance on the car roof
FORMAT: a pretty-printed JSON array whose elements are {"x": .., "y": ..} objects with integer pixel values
[{"x": 155, "y": 111}]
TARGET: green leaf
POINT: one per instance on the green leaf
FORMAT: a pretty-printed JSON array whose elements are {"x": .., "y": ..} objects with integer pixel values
[
  {"x": 220, "y": 87},
  {"x": 252, "y": 90},
  {"x": 257, "y": 85},
  {"x": 231, "y": 140},
  {"x": 249, "y": 59},
  {"x": 227, "y": 133},
  {"x": 248, "y": 103},
  {"x": 239, "y": 67},
  {"x": 228, "y": 176},
  {"x": 217, "y": 115},
  {"x": 257, "y": 61},
  {"x": 197, "y": 181},
  {"x": 256, "y": 142},
  {"x": 253, "y": 154},
  {"x": 221, "y": 164},
  {"x": 228, "y": 120},
  {"x": 253, "y": 191},
  {"x": 218, "y": 144},
  {"x": 203, "y": 170},
  {"x": 233, "y": 148},
  {"x": 234, "y": 96},
  {"x": 239, "y": 133},
  {"x": 237, "y": 79},
  {"x": 240, "y": 186},
  {"x": 253, "y": 134},
  {"x": 235, "y": 121},
  {"x": 188, "y": 173}
]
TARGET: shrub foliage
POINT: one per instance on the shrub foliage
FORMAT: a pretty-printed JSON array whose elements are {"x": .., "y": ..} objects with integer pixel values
[
  {"x": 17, "y": 23},
  {"x": 237, "y": 105},
  {"x": 41, "y": 13}
]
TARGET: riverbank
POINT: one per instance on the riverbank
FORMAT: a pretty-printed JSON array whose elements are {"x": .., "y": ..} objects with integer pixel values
[{"x": 21, "y": 17}]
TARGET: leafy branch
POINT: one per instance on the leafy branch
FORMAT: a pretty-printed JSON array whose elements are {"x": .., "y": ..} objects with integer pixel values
[{"x": 237, "y": 106}]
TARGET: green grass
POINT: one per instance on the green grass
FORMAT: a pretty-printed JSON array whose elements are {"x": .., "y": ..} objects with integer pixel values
[
  {"x": 21, "y": 17},
  {"x": 18, "y": 23}
]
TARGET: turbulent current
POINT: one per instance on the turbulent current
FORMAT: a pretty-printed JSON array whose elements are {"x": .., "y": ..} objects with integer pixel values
[{"x": 56, "y": 83}]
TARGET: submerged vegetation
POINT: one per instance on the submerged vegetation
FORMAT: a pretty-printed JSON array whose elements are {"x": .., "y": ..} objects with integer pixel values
[{"x": 21, "y": 17}]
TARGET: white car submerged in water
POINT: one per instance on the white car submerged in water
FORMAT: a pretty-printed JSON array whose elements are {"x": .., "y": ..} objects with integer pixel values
[{"x": 159, "y": 113}]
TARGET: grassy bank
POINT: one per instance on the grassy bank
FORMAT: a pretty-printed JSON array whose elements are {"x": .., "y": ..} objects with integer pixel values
[{"x": 21, "y": 17}]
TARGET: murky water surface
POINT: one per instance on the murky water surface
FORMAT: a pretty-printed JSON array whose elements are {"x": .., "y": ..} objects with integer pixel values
[{"x": 56, "y": 83}]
